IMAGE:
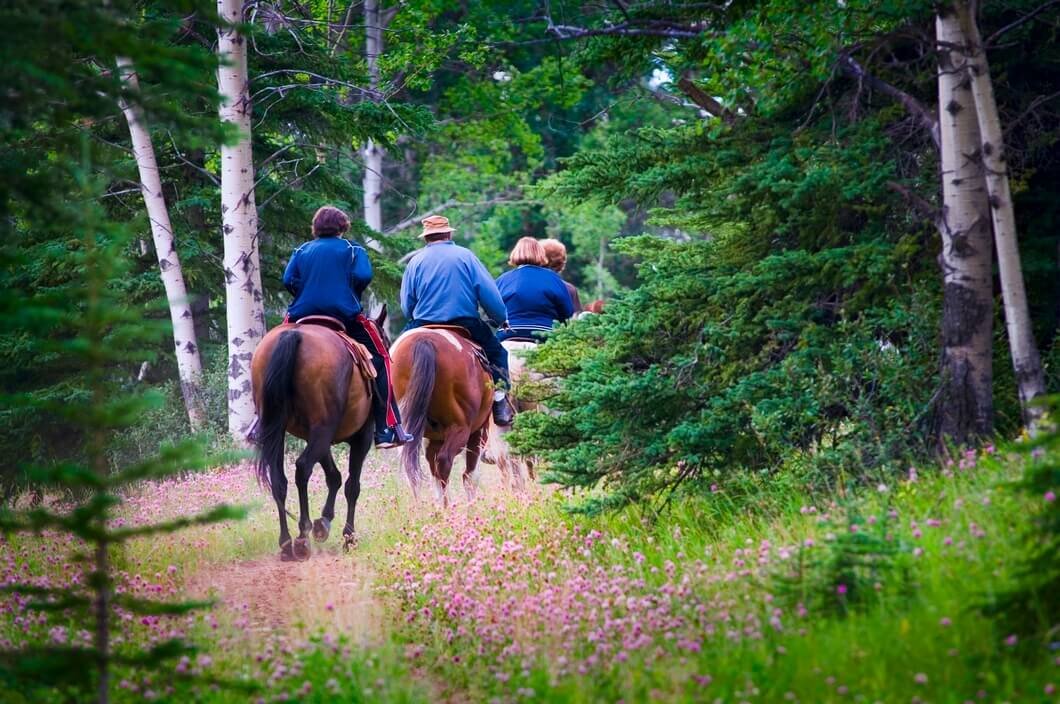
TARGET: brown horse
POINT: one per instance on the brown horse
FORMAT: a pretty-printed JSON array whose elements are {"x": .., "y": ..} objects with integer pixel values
[
  {"x": 446, "y": 397},
  {"x": 307, "y": 384}
]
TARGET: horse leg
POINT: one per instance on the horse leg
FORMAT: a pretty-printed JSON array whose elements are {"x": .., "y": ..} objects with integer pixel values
[
  {"x": 510, "y": 466},
  {"x": 316, "y": 448},
  {"x": 451, "y": 447},
  {"x": 440, "y": 482},
  {"x": 496, "y": 449},
  {"x": 474, "y": 447},
  {"x": 278, "y": 481},
  {"x": 360, "y": 444},
  {"x": 322, "y": 526}
]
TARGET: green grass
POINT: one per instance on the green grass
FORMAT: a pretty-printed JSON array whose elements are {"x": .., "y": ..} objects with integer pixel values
[{"x": 917, "y": 635}]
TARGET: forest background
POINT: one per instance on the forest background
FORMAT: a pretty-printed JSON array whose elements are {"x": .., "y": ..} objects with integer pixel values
[
  {"x": 784, "y": 165},
  {"x": 796, "y": 293}
]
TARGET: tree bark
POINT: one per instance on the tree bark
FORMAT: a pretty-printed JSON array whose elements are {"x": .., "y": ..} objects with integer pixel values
[
  {"x": 1025, "y": 359},
  {"x": 185, "y": 342},
  {"x": 372, "y": 154},
  {"x": 966, "y": 401},
  {"x": 239, "y": 218}
]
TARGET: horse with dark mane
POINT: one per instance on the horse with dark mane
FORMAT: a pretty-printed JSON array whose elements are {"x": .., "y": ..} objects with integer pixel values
[
  {"x": 307, "y": 383},
  {"x": 446, "y": 396}
]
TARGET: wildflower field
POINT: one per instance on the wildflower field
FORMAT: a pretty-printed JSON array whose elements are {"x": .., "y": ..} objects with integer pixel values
[{"x": 513, "y": 599}]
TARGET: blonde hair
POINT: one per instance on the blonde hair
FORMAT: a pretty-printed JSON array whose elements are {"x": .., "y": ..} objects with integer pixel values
[
  {"x": 556, "y": 253},
  {"x": 528, "y": 251}
]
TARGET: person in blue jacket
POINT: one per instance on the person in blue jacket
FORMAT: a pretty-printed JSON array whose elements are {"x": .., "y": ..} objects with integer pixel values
[
  {"x": 535, "y": 296},
  {"x": 445, "y": 283},
  {"x": 328, "y": 276}
]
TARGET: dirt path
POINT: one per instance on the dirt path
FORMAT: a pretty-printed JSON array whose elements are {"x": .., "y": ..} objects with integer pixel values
[{"x": 264, "y": 595}]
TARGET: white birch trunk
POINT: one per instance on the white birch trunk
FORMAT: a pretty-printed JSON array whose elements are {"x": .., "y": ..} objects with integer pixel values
[
  {"x": 372, "y": 154},
  {"x": 1025, "y": 359},
  {"x": 239, "y": 218},
  {"x": 966, "y": 404},
  {"x": 186, "y": 347}
]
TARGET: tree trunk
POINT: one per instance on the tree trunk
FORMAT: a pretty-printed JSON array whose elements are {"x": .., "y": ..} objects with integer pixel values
[
  {"x": 239, "y": 218},
  {"x": 185, "y": 342},
  {"x": 372, "y": 153},
  {"x": 966, "y": 401},
  {"x": 1025, "y": 359}
]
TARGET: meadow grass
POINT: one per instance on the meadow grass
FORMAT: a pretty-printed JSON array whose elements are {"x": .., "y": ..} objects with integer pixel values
[{"x": 514, "y": 599}]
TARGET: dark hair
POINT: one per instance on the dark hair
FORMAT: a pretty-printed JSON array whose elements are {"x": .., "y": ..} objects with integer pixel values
[
  {"x": 438, "y": 237},
  {"x": 329, "y": 221}
]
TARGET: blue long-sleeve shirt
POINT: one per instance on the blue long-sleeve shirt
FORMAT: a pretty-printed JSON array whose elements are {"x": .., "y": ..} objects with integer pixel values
[
  {"x": 444, "y": 281},
  {"x": 327, "y": 277},
  {"x": 535, "y": 297}
]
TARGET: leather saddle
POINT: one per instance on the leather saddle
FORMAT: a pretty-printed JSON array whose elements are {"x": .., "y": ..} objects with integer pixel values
[
  {"x": 362, "y": 358},
  {"x": 463, "y": 332}
]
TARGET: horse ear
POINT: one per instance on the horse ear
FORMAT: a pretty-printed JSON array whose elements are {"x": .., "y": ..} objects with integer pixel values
[{"x": 381, "y": 318}]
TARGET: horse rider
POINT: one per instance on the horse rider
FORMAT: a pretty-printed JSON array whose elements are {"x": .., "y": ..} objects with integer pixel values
[
  {"x": 556, "y": 252},
  {"x": 445, "y": 284},
  {"x": 535, "y": 296},
  {"x": 327, "y": 276}
]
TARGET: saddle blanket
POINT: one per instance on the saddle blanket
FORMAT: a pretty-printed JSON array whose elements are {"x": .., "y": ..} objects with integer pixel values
[
  {"x": 362, "y": 358},
  {"x": 457, "y": 331}
]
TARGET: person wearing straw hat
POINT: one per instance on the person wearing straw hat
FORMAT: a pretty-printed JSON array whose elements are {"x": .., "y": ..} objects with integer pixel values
[{"x": 446, "y": 284}]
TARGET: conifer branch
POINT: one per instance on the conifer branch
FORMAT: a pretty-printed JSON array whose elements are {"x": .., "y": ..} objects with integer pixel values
[{"x": 925, "y": 117}]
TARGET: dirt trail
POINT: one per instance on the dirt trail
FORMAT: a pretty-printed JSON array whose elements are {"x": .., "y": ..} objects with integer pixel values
[
  {"x": 264, "y": 595},
  {"x": 332, "y": 590}
]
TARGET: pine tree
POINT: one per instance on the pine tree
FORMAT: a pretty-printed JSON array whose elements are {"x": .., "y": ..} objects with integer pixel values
[{"x": 101, "y": 331}]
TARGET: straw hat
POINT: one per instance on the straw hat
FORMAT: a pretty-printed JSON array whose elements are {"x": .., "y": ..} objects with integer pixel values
[{"x": 435, "y": 224}]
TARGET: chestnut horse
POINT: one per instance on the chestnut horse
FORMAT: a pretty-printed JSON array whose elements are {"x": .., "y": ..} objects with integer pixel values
[
  {"x": 446, "y": 397},
  {"x": 307, "y": 384}
]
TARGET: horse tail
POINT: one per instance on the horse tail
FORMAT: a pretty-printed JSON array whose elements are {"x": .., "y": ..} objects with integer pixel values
[
  {"x": 416, "y": 404},
  {"x": 276, "y": 406}
]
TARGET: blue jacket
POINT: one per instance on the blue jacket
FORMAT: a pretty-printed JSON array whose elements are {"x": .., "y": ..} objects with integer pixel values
[
  {"x": 327, "y": 277},
  {"x": 535, "y": 297},
  {"x": 444, "y": 281}
]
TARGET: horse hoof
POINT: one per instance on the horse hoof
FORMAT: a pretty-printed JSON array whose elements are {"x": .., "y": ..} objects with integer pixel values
[
  {"x": 301, "y": 549},
  {"x": 349, "y": 541},
  {"x": 287, "y": 552},
  {"x": 321, "y": 528}
]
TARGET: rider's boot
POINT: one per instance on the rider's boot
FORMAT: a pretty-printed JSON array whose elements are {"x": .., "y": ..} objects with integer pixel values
[
  {"x": 391, "y": 437},
  {"x": 503, "y": 413}
]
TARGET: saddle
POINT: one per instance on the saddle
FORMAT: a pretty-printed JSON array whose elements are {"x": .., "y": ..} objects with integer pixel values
[
  {"x": 463, "y": 332},
  {"x": 362, "y": 358}
]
